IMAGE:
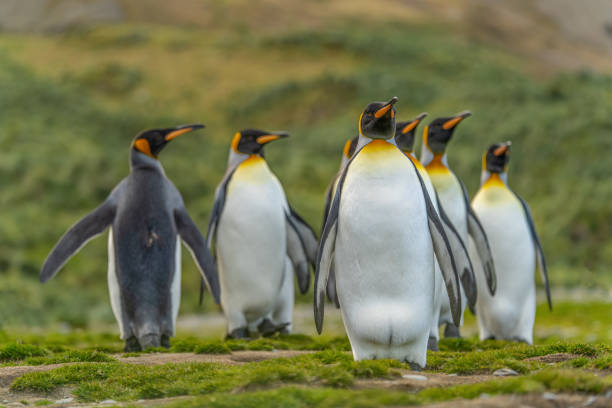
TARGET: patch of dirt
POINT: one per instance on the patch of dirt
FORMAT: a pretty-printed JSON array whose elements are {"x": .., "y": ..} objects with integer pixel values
[
  {"x": 553, "y": 358},
  {"x": 237, "y": 357},
  {"x": 545, "y": 400},
  {"x": 413, "y": 381}
]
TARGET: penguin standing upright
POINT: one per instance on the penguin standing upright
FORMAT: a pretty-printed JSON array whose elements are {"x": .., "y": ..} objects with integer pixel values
[
  {"x": 404, "y": 140},
  {"x": 147, "y": 219},
  {"x": 453, "y": 197},
  {"x": 347, "y": 153},
  {"x": 381, "y": 234},
  {"x": 515, "y": 245},
  {"x": 260, "y": 241}
]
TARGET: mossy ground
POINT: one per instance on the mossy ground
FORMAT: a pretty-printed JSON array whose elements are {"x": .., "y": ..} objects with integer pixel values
[{"x": 322, "y": 374}]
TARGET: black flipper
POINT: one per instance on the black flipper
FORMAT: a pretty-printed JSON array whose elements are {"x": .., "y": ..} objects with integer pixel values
[
  {"x": 325, "y": 253},
  {"x": 87, "y": 228},
  {"x": 297, "y": 255},
  {"x": 302, "y": 246},
  {"x": 481, "y": 242},
  {"x": 332, "y": 294},
  {"x": 462, "y": 259},
  {"x": 538, "y": 247},
  {"x": 443, "y": 251},
  {"x": 215, "y": 216},
  {"x": 194, "y": 240},
  {"x": 328, "y": 200}
]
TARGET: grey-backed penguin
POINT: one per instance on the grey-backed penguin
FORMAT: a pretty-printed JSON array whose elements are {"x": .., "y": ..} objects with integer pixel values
[
  {"x": 147, "y": 219},
  {"x": 515, "y": 245},
  {"x": 259, "y": 241},
  {"x": 453, "y": 196},
  {"x": 347, "y": 153},
  {"x": 381, "y": 233},
  {"x": 404, "y": 140}
]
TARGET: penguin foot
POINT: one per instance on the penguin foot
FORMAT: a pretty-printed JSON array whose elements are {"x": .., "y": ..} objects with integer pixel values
[
  {"x": 489, "y": 338},
  {"x": 268, "y": 329},
  {"x": 239, "y": 333},
  {"x": 451, "y": 331},
  {"x": 520, "y": 340},
  {"x": 132, "y": 345},
  {"x": 165, "y": 341},
  {"x": 432, "y": 343},
  {"x": 414, "y": 366},
  {"x": 149, "y": 340}
]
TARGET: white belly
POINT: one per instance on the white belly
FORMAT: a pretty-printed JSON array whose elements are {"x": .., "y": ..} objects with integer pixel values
[
  {"x": 251, "y": 242},
  {"x": 384, "y": 255},
  {"x": 511, "y": 311}
]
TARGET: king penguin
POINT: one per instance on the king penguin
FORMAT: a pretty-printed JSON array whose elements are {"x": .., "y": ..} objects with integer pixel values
[
  {"x": 404, "y": 140},
  {"x": 506, "y": 218},
  {"x": 381, "y": 233},
  {"x": 147, "y": 219},
  {"x": 453, "y": 197},
  {"x": 259, "y": 241},
  {"x": 347, "y": 153}
]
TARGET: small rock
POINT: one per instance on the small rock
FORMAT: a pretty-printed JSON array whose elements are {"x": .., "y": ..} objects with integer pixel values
[
  {"x": 414, "y": 377},
  {"x": 484, "y": 395},
  {"x": 453, "y": 375},
  {"x": 64, "y": 400},
  {"x": 609, "y": 394},
  {"x": 549, "y": 396},
  {"x": 108, "y": 401},
  {"x": 589, "y": 401},
  {"x": 505, "y": 372}
]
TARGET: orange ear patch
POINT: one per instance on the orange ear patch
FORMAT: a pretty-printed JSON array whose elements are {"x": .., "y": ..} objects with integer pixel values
[
  {"x": 235, "y": 141},
  {"x": 143, "y": 146}
]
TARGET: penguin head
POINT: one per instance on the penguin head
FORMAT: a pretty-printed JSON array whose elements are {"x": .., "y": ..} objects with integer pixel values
[
  {"x": 252, "y": 141},
  {"x": 404, "y": 133},
  {"x": 496, "y": 158},
  {"x": 440, "y": 131},
  {"x": 349, "y": 147},
  {"x": 378, "y": 120},
  {"x": 151, "y": 142}
]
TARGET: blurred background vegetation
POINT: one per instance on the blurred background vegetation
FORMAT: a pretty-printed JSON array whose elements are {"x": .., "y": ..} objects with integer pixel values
[{"x": 79, "y": 78}]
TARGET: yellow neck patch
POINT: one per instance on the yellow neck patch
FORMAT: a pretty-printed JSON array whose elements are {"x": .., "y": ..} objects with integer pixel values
[
  {"x": 494, "y": 181},
  {"x": 416, "y": 162},
  {"x": 436, "y": 165}
]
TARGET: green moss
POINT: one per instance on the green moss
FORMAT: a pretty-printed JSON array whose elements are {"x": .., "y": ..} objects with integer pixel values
[
  {"x": 73, "y": 356},
  {"x": 43, "y": 402},
  {"x": 212, "y": 348},
  {"x": 16, "y": 351}
]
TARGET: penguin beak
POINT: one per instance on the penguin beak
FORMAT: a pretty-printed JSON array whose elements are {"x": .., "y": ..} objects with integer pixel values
[
  {"x": 386, "y": 108},
  {"x": 414, "y": 123},
  {"x": 505, "y": 147},
  {"x": 451, "y": 123},
  {"x": 262, "y": 140},
  {"x": 181, "y": 130}
]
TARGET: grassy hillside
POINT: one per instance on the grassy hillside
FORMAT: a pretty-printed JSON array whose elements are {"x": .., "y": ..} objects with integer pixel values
[{"x": 71, "y": 103}]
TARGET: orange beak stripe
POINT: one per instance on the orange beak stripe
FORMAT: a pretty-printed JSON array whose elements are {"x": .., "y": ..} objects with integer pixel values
[
  {"x": 382, "y": 111},
  {"x": 449, "y": 124},
  {"x": 177, "y": 133},
  {"x": 267, "y": 139},
  {"x": 410, "y": 126},
  {"x": 500, "y": 150}
]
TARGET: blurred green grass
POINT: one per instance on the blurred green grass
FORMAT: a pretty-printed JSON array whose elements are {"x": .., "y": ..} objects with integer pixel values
[{"x": 71, "y": 103}]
